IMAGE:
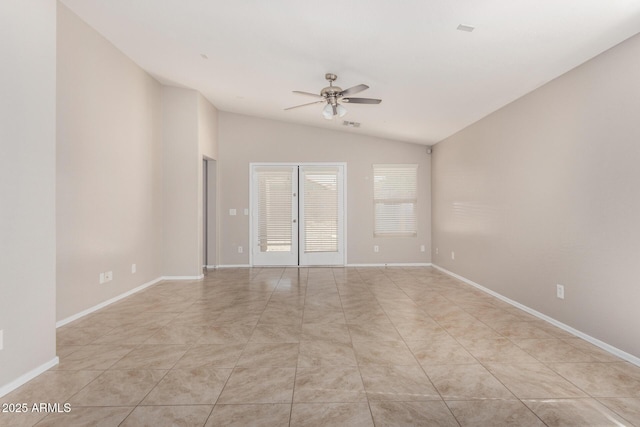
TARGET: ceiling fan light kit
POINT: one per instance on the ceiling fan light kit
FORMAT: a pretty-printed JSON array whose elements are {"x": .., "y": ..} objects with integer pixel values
[{"x": 333, "y": 95}]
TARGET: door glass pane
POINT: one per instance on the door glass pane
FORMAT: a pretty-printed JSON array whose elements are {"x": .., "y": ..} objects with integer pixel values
[
  {"x": 320, "y": 209},
  {"x": 274, "y": 203}
]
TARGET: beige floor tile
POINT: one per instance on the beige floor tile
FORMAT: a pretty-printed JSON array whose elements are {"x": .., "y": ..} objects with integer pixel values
[
  {"x": 495, "y": 413},
  {"x": 596, "y": 352},
  {"x": 20, "y": 419},
  {"x": 151, "y": 356},
  {"x": 269, "y": 333},
  {"x": 409, "y": 414},
  {"x": 176, "y": 334},
  {"x": 553, "y": 350},
  {"x": 238, "y": 338},
  {"x": 198, "y": 386},
  {"x": 323, "y": 316},
  {"x": 80, "y": 336},
  {"x": 127, "y": 335},
  {"x": 264, "y": 415},
  {"x": 620, "y": 379},
  {"x": 94, "y": 357},
  {"x": 51, "y": 386},
  {"x": 381, "y": 331},
  {"x": 329, "y": 384},
  {"x": 160, "y": 416},
  {"x": 283, "y": 355},
  {"x": 534, "y": 381},
  {"x": 574, "y": 413},
  {"x": 628, "y": 408},
  {"x": 118, "y": 388},
  {"x": 226, "y": 333},
  {"x": 383, "y": 353},
  {"x": 259, "y": 385},
  {"x": 521, "y": 330},
  {"x": 397, "y": 383},
  {"x": 210, "y": 355},
  {"x": 325, "y": 332},
  {"x": 421, "y": 330},
  {"x": 466, "y": 382},
  {"x": 440, "y": 350},
  {"x": 331, "y": 414},
  {"x": 325, "y": 353},
  {"x": 497, "y": 350},
  {"x": 88, "y": 417}
]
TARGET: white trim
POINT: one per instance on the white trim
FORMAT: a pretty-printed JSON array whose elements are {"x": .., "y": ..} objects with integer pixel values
[
  {"x": 235, "y": 266},
  {"x": 182, "y": 277},
  {"x": 107, "y": 302},
  {"x": 603, "y": 345},
  {"x": 210, "y": 267},
  {"x": 393, "y": 264},
  {"x": 22, "y": 379}
]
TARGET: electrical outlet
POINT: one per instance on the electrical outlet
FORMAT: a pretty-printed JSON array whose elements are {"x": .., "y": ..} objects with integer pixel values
[
  {"x": 240, "y": 250},
  {"x": 560, "y": 291},
  {"x": 108, "y": 276},
  {"x": 422, "y": 249},
  {"x": 134, "y": 268},
  {"x": 232, "y": 212},
  {"x": 1, "y": 339},
  {"x": 453, "y": 255},
  {"x": 437, "y": 251},
  {"x": 376, "y": 248}
]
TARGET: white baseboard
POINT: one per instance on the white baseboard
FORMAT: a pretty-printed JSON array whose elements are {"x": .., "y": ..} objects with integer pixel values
[
  {"x": 210, "y": 267},
  {"x": 182, "y": 277},
  {"x": 107, "y": 302},
  {"x": 393, "y": 264},
  {"x": 235, "y": 266},
  {"x": 603, "y": 345},
  {"x": 22, "y": 379}
]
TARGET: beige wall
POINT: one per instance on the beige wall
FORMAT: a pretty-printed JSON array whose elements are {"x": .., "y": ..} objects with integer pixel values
[
  {"x": 109, "y": 169},
  {"x": 545, "y": 192},
  {"x": 189, "y": 134},
  {"x": 180, "y": 174},
  {"x": 27, "y": 188},
  {"x": 245, "y": 139}
]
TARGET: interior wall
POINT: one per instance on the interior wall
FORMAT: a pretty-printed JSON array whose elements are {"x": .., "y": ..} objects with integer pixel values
[
  {"x": 207, "y": 149},
  {"x": 244, "y": 139},
  {"x": 109, "y": 169},
  {"x": 27, "y": 189},
  {"x": 212, "y": 212},
  {"x": 182, "y": 183},
  {"x": 189, "y": 134},
  {"x": 545, "y": 192}
]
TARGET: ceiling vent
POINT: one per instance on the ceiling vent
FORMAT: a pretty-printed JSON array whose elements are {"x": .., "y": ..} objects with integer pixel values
[
  {"x": 467, "y": 28},
  {"x": 351, "y": 124}
]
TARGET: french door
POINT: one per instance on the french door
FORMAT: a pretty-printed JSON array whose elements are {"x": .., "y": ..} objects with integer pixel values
[{"x": 297, "y": 214}]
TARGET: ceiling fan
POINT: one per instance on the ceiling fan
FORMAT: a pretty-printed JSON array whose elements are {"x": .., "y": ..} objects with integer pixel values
[{"x": 333, "y": 95}]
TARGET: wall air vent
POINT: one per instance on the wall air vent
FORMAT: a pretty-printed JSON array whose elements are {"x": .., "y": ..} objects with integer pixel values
[
  {"x": 467, "y": 28},
  {"x": 351, "y": 124}
]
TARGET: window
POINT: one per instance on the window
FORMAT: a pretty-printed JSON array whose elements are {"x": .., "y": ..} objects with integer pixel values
[{"x": 394, "y": 199}]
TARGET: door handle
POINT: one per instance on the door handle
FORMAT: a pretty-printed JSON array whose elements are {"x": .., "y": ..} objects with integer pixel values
[{"x": 294, "y": 221}]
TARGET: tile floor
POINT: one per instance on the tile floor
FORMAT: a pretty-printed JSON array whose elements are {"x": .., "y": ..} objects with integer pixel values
[{"x": 325, "y": 347}]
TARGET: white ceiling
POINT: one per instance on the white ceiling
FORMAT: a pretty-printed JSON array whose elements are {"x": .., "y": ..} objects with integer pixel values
[{"x": 433, "y": 79}]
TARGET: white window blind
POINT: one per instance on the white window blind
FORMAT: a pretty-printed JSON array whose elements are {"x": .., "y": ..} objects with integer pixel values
[
  {"x": 395, "y": 197},
  {"x": 274, "y": 203},
  {"x": 320, "y": 209}
]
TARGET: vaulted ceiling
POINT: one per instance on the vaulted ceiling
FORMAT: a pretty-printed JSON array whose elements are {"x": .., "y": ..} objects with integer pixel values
[{"x": 247, "y": 56}]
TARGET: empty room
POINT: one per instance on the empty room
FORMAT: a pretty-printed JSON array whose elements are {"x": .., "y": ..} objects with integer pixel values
[{"x": 319, "y": 214}]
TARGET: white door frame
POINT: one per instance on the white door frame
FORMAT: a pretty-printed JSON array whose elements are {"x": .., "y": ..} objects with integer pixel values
[{"x": 343, "y": 222}]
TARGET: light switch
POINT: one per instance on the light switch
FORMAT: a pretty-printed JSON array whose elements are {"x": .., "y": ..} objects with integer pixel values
[{"x": 232, "y": 212}]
